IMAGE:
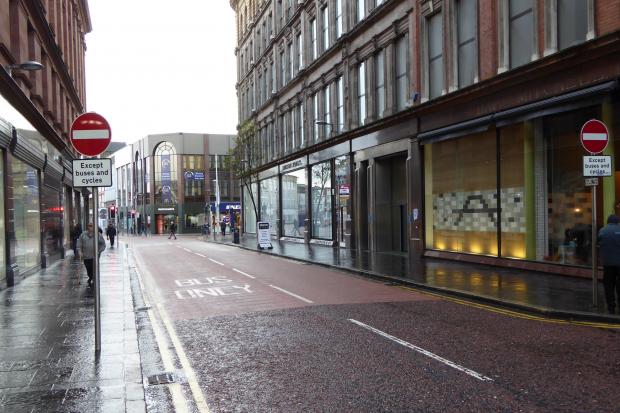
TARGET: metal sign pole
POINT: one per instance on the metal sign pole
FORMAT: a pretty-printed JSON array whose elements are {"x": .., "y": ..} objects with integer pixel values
[
  {"x": 594, "y": 255},
  {"x": 96, "y": 271}
]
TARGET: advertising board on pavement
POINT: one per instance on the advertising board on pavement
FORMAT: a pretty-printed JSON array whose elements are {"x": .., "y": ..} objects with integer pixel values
[{"x": 264, "y": 235}]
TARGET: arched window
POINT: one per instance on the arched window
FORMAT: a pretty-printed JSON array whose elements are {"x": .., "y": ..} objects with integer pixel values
[{"x": 165, "y": 174}]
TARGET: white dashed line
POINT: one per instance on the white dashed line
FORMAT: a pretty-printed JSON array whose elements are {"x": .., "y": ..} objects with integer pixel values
[
  {"x": 217, "y": 262},
  {"x": 422, "y": 351},
  {"x": 292, "y": 294},
  {"x": 243, "y": 273},
  {"x": 200, "y": 255},
  {"x": 187, "y": 250}
]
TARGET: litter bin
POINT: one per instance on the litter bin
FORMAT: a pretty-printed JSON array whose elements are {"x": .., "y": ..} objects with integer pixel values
[{"x": 236, "y": 236}]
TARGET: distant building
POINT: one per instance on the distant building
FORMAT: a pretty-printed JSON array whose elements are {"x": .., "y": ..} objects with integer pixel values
[
  {"x": 37, "y": 107},
  {"x": 443, "y": 128},
  {"x": 172, "y": 177}
]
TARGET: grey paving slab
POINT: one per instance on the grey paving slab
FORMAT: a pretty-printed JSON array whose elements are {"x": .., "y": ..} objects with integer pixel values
[{"x": 47, "y": 345}]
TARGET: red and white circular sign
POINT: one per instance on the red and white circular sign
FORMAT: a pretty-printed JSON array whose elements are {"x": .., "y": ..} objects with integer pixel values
[
  {"x": 90, "y": 134},
  {"x": 594, "y": 136}
]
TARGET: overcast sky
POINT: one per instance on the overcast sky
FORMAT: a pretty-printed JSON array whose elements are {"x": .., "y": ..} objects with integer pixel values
[{"x": 161, "y": 66}]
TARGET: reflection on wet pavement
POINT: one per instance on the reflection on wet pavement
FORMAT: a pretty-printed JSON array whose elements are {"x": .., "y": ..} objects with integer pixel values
[
  {"x": 47, "y": 345},
  {"x": 528, "y": 288}
]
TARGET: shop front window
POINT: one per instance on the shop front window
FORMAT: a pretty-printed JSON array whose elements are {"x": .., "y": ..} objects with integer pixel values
[
  {"x": 294, "y": 214},
  {"x": 2, "y": 225},
  {"x": 249, "y": 213},
  {"x": 461, "y": 194},
  {"x": 26, "y": 214},
  {"x": 269, "y": 202},
  {"x": 165, "y": 165},
  {"x": 343, "y": 198},
  {"x": 51, "y": 218},
  {"x": 322, "y": 201}
]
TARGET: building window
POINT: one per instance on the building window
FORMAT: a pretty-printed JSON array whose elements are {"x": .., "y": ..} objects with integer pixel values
[
  {"x": 466, "y": 45},
  {"x": 315, "y": 116},
  {"x": 572, "y": 22},
  {"x": 260, "y": 89},
  {"x": 521, "y": 32},
  {"x": 361, "y": 10},
  {"x": 435, "y": 55},
  {"x": 380, "y": 83},
  {"x": 289, "y": 51},
  {"x": 301, "y": 119},
  {"x": 313, "y": 45},
  {"x": 282, "y": 69},
  {"x": 300, "y": 52},
  {"x": 361, "y": 93},
  {"x": 325, "y": 18},
  {"x": 273, "y": 78},
  {"x": 327, "y": 112},
  {"x": 402, "y": 72},
  {"x": 338, "y": 18},
  {"x": 294, "y": 215},
  {"x": 293, "y": 125},
  {"x": 340, "y": 120}
]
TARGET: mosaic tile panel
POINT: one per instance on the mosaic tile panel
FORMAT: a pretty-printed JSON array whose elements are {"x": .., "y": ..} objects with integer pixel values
[{"x": 477, "y": 211}]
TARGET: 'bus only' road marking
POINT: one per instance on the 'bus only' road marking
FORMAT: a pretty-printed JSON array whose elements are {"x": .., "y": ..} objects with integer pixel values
[
  {"x": 422, "y": 351},
  {"x": 243, "y": 273},
  {"x": 291, "y": 294}
]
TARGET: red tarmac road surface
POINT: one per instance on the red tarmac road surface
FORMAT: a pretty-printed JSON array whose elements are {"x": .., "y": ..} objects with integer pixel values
[{"x": 269, "y": 334}]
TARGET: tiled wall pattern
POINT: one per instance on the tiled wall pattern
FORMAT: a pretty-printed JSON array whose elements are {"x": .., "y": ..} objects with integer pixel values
[{"x": 477, "y": 211}]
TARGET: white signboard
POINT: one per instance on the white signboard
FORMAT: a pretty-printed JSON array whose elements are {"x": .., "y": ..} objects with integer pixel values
[
  {"x": 264, "y": 235},
  {"x": 597, "y": 165},
  {"x": 92, "y": 172},
  {"x": 591, "y": 181}
]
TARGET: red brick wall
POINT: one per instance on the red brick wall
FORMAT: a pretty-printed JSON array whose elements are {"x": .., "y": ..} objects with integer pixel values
[
  {"x": 607, "y": 16},
  {"x": 488, "y": 38}
]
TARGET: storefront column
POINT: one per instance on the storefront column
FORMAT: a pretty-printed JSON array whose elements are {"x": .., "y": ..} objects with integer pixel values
[
  {"x": 529, "y": 153},
  {"x": 609, "y": 182},
  {"x": 415, "y": 201},
  {"x": 360, "y": 207},
  {"x": 12, "y": 269},
  {"x": 371, "y": 202}
]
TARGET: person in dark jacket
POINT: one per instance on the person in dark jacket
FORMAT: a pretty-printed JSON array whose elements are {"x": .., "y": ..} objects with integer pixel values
[
  {"x": 75, "y": 234},
  {"x": 87, "y": 250},
  {"x": 609, "y": 243},
  {"x": 110, "y": 233}
]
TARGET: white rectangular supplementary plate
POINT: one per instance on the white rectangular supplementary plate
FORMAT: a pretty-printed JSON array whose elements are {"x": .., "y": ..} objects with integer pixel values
[
  {"x": 92, "y": 172},
  {"x": 595, "y": 137},
  {"x": 597, "y": 165},
  {"x": 91, "y": 134}
]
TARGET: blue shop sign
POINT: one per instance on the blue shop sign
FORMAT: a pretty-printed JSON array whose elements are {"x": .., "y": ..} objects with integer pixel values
[
  {"x": 199, "y": 176},
  {"x": 226, "y": 207}
]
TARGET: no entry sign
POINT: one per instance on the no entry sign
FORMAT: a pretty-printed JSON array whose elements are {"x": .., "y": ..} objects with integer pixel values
[
  {"x": 90, "y": 134},
  {"x": 594, "y": 136}
]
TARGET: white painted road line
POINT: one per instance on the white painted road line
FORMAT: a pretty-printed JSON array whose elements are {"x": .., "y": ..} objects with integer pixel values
[
  {"x": 187, "y": 250},
  {"x": 422, "y": 351},
  {"x": 243, "y": 273},
  {"x": 291, "y": 294},
  {"x": 200, "y": 255},
  {"x": 217, "y": 262}
]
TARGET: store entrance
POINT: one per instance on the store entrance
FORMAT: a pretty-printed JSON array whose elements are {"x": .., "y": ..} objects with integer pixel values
[
  {"x": 163, "y": 223},
  {"x": 391, "y": 203}
]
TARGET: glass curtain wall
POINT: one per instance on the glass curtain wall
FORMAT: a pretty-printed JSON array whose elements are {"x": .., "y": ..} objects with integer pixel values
[
  {"x": 26, "y": 214},
  {"x": 321, "y": 177},
  {"x": 294, "y": 214},
  {"x": 249, "y": 214},
  {"x": 269, "y": 209},
  {"x": 165, "y": 166}
]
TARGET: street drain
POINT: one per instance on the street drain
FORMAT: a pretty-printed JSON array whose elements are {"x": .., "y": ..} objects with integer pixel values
[
  {"x": 142, "y": 309},
  {"x": 157, "y": 379}
]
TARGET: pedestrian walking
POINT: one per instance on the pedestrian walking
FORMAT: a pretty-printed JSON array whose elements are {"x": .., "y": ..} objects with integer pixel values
[
  {"x": 223, "y": 227},
  {"x": 173, "y": 230},
  {"x": 75, "y": 234},
  {"x": 609, "y": 243},
  {"x": 110, "y": 233},
  {"x": 87, "y": 251}
]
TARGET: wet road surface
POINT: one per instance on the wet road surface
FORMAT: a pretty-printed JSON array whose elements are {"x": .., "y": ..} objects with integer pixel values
[{"x": 261, "y": 333}]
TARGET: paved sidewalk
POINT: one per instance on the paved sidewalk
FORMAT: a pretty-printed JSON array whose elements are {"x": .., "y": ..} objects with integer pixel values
[
  {"x": 542, "y": 293},
  {"x": 47, "y": 349}
]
